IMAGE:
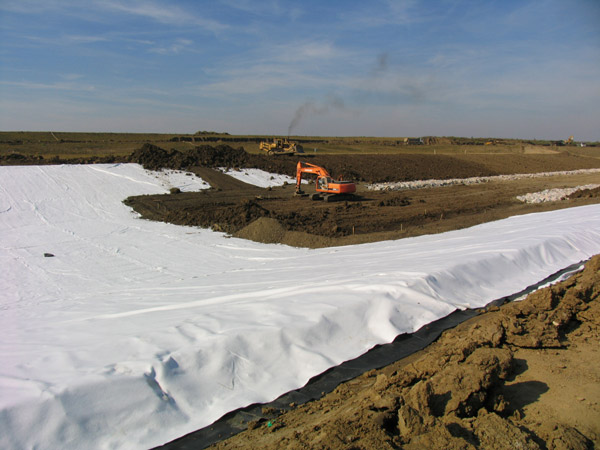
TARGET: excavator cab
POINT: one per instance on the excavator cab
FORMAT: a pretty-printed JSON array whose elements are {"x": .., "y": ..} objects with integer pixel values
[{"x": 322, "y": 183}]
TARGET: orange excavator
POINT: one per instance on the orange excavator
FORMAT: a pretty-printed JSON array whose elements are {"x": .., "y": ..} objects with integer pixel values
[{"x": 327, "y": 188}]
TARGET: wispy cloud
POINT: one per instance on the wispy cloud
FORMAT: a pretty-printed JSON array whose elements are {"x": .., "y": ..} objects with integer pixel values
[
  {"x": 254, "y": 82},
  {"x": 58, "y": 86},
  {"x": 265, "y": 8},
  {"x": 65, "y": 39},
  {"x": 35, "y": 6},
  {"x": 303, "y": 51},
  {"x": 268, "y": 7},
  {"x": 171, "y": 14},
  {"x": 389, "y": 61},
  {"x": 83, "y": 39},
  {"x": 71, "y": 76},
  {"x": 387, "y": 12},
  {"x": 178, "y": 46}
]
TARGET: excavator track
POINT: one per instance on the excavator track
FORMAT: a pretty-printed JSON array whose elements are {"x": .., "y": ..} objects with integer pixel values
[{"x": 334, "y": 197}]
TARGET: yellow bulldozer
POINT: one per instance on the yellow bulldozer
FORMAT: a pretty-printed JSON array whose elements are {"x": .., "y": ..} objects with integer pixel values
[{"x": 281, "y": 147}]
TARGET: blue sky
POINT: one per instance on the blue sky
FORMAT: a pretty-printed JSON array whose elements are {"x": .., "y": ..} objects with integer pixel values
[{"x": 513, "y": 69}]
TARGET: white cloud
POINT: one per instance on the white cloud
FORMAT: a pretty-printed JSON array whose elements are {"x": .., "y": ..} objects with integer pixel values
[
  {"x": 301, "y": 52},
  {"x": 177, "y": 46},
  {"x": 249, "y": 83},
  {"x": 164, "y": 14},
  {"x": 66, "y": 39},
  {"x": 82, "y": 39},
  {"x": 34, "y": 6},
  {"x": 62, "y": 86},
  {"x": 71, "y": 76},
  {"x": 386, "y": 12}
]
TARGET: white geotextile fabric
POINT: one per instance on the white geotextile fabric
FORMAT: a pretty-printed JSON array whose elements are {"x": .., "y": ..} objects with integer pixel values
[
  {"x": 259, "y": 177},
  {"x": 138, "y": 332}
]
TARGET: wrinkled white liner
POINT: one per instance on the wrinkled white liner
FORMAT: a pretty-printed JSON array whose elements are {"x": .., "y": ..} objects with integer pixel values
[
  {"x": 259, "y": 177},
  {"x": 137, "y": 332}
]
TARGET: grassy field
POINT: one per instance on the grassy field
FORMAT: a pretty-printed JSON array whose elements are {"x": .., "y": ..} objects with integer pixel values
[{"x": 82, "y": 145}]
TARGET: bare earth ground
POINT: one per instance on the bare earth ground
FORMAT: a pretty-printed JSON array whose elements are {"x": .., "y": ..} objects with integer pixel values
[
  {"x": 276, "y": 215},
  {"x": 523, "y": 376}
]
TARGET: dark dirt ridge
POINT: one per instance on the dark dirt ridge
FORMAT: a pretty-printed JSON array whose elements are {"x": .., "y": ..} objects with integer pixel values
[
  {"x": 524, "y": 375},
  {"x": 368, "y": 168},
  {"x": 275, "y": 215},
  {"x": 18, "y": 159}
]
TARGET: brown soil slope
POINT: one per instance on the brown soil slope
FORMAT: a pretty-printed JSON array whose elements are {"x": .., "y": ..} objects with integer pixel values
[{"x": 526, "y": 375}]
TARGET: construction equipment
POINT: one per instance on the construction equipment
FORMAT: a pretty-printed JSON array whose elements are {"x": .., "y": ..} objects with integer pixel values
[
  {"x": 569, "y": 141},
  {"x": 327, "y": 188},
  {"x": 281, "y": 147}
]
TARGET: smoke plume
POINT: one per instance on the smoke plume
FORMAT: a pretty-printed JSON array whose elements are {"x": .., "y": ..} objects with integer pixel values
[{"x": 311, "y": 108}]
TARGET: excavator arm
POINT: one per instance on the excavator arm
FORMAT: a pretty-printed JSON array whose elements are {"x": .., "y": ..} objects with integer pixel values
[{"x": 304, "y": 167}]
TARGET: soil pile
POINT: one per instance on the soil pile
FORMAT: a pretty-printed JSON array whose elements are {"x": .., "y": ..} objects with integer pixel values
[
  {"x": 586, "y": 193},
  {"x": 228, "y": 220},
  {"x": 18, "y": 159},
  {"x": 368, "y": 168},
  {"x": 152, "y": 157},
  {"x": 521, "y": 376}
]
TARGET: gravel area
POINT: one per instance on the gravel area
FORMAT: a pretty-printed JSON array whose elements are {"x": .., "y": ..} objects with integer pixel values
[
  {"x": 553, "y": 195},
  {"x": 420, "y": 184}
]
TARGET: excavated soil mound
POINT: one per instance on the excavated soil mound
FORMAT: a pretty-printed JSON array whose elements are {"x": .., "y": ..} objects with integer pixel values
[
  {"x": 18, "y": 159},
  {"x": 369, "y": 168},
  {"x": 525, "y": 376},
  {"x": 153, "y": 157},
  {"x": 586, "y": 193}
]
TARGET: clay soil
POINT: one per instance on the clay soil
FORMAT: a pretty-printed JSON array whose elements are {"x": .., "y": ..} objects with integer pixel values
[
  {"x": 525, "y": 375},
  {"x": 277, "y": 216}
]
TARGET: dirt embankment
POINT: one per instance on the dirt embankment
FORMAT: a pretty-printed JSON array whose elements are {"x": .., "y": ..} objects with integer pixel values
[
  {"x": 19, "y": 159},
  {"x": 525, "y": 375},
  {"x": 367, "y": 168},
  {"x": 275, "y": 215}
]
